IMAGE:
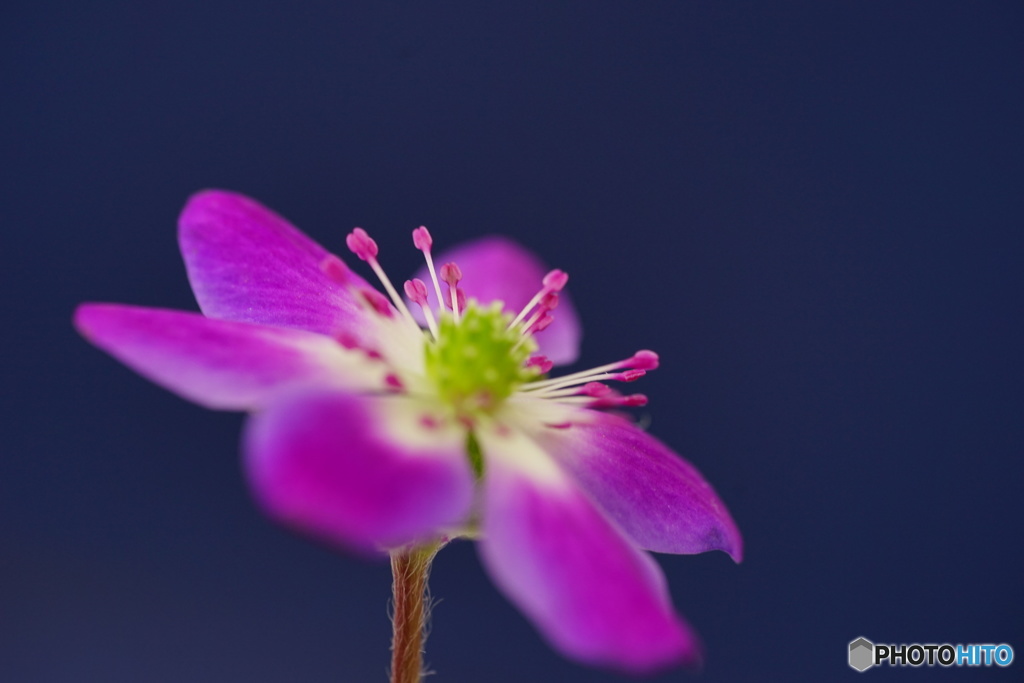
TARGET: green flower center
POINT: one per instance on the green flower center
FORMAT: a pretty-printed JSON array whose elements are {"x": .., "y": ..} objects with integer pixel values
[{"x": 477, "y": 362}]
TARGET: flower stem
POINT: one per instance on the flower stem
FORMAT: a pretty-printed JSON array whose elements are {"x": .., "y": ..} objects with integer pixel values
[{"x": 410, "y": 568}]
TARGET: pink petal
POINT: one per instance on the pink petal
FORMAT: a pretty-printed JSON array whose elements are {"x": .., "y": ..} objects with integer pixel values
[
  {"x": 363, "y": 472},
  {"x": 246, "y": 263},
  {"x": 218, "y": 363},
  {"x": 591, "y": 593},
  {"x": 498, "y": 268},
  {"x": 660, "y": 500}
]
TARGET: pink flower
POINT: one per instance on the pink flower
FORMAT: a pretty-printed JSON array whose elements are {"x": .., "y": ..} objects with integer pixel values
[{"x": 373, "y": 433}]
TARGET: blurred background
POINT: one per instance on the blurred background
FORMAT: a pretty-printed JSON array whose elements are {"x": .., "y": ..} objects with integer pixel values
[{"x": 812, "y": 211}]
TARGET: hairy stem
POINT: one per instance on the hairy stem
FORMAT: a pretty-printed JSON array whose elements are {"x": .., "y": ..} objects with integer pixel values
[{"x": 410, "y": 568}]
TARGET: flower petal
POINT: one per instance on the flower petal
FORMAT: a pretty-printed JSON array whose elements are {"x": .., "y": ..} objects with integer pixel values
[
  {"x": 660, "y": 500},
  {"x": 219, "y": 363},
  {"x": 496, "y": 268},
  {"x": 247, "y": 263},
  {"x": 595, "y": 596},
  {"x": 363, "y": 472}
]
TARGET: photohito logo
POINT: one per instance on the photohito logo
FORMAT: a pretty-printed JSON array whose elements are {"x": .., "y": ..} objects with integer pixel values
[{"x": 864, "y": 654}]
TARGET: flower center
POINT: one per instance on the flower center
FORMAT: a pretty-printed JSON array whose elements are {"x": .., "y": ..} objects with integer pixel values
[
  {"x": 476, "y": 357},
  {"x": 477, "y": 361}
]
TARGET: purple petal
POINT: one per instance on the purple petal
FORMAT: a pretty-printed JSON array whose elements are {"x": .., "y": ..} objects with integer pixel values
[
  {"x": 363, "y": 472},
  {"x": 219, "y": 363},
  {"x": 246, "y": 263},
  {"x": 661, "y": 501},
  {"x": 498, "y": 268},
  {"x": 552, "y": 552}
]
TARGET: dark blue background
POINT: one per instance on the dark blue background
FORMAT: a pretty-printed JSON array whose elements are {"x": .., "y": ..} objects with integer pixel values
[{"x": 813, "y": 211}]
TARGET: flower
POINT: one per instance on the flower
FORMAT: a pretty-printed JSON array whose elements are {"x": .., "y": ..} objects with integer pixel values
[{"x": 376, "y": 428}]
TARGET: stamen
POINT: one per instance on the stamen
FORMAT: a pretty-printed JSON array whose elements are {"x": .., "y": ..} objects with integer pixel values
[
  {"x": 460, "y": 297},
  {"x": 554, "y": 281},
  {"x": 592, "y": 389},
  {"x": 529, "y": 323},
  {"x": 423, "y": 241},
  {"x": 452, "y": 274},
  {"x": 630, "y": 401},
  {"x": 363, "y": 246},
  {"x": 630, "y": 375},
  {"x": 641, "y": 361},
  {"x": 596, "y": 389},
  {"x": 417, "y": 293},
  {"x": 543, "y": 363},
  {"x": 616, "y": 401},
  {"x": 541, "y": 317},
  {"x": 538, "y": 323},
  {"x": 644, "y": 360},
  {"x": 541, "y": 324},
  {"x": 558, "y": 386}
]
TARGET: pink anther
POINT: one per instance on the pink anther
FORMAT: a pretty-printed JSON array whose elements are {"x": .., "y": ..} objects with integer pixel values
[
  {"x": 460, "y": 298},
  {"x": 631, "y": 401},
  {"x": 451, "y": 273},
  {"x": 543, "y": 363},
  {"x": 335, "y": 269},
  {"x": 421, "y": 238},
  {"x": 629, "y": 375},
  {"x": 416, "y": 291},
  {"x": 549, "y": 301},
  {"x": 393, "y": 382},
  {"x": 555, "y": 280},
  {"x": 542, "y": 323},
  {"x": 643, "y": 360},
  {"x": 361, "y": 244},
  {"x": 596, "y": 389}
]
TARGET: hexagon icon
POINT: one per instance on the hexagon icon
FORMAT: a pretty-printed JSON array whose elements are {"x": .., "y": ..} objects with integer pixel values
[{"x": 862, "y": 654}]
